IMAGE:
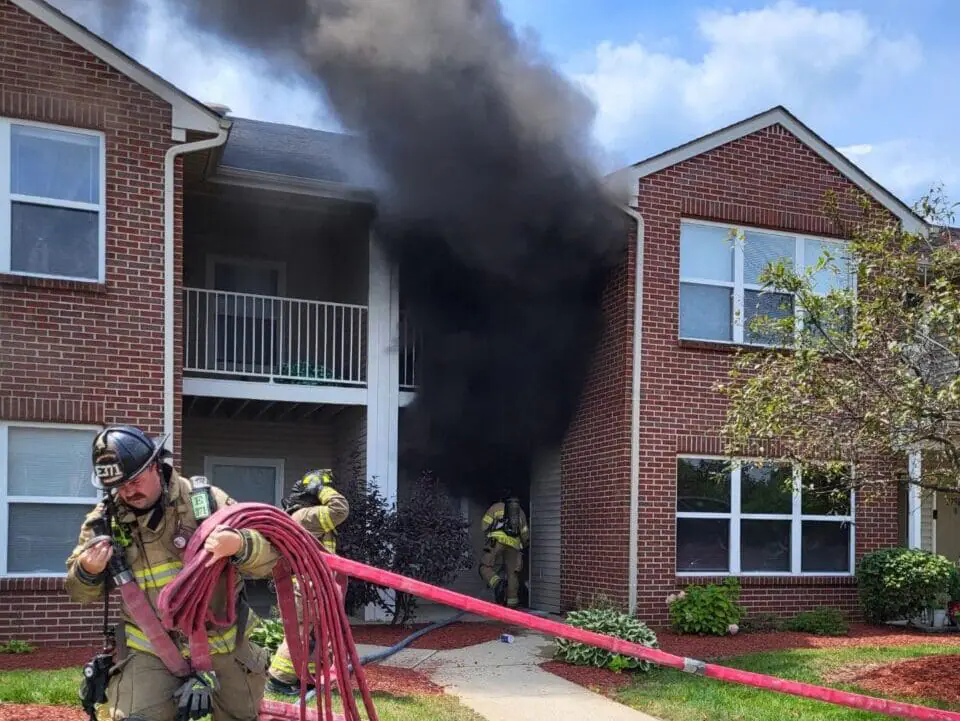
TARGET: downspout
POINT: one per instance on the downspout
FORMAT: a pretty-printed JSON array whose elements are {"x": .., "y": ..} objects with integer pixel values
[
  {"x": 169, "y": 200},
  {"x": 633, "y": 555}
]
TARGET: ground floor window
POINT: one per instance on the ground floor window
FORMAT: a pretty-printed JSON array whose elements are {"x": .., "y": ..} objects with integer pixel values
[
  {"x": 45, "y": 493},
  {"x": 742, "y": 517}
]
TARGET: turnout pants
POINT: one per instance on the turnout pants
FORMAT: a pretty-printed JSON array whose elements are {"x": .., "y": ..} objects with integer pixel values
[
  {"x": 281, "y": 667},
  {"x": 496, "y": 554},
  {"x": 141, "y": 687}
]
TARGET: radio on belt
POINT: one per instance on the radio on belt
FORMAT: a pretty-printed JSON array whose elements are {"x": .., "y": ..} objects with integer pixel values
[{"x": 200, "y": 498}]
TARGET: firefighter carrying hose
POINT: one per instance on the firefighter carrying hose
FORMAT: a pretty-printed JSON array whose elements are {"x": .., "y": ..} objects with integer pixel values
[
  {"x": 134, "y": 540},
  {"x": 507, "y": 533},
  {"x": 316, "y": 505}
]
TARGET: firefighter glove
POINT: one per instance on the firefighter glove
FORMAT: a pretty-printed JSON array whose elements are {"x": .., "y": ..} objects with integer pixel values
[{"x": 195, "y": 696}]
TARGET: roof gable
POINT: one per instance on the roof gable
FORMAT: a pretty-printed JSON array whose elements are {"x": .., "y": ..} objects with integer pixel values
[
  {"x": 626, "y": 180},
  {"x": 188, "y": 113}
]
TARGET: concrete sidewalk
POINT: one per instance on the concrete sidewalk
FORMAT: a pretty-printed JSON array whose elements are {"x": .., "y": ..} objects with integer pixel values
[{"x": 503, "y": 682}]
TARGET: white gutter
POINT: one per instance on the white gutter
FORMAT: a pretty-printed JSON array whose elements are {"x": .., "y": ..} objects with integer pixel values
[
  {"x": 633, "y": 554},
  {"x": 169, "y": 199}
]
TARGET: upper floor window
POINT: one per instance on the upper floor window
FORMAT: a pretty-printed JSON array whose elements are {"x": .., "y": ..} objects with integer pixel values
[
  {"x": 52, "y": 206},
  {"x": 720, "y": 288}
]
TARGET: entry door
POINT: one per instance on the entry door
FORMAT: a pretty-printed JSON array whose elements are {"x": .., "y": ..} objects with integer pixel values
[
  {"x": 545, "y": 533},
  {"x": 948, "y": 527},
  {"x": 250, "y": 480}
]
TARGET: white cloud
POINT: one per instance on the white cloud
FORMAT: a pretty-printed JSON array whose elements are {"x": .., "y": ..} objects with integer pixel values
[
  {"x": 785, "y": 53},
  {"x": 907, "y": 168}
]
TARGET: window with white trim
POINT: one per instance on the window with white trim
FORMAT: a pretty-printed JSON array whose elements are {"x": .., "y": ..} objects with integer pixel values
[
  {"x": 720, "y": 289},
  {"x": 744, "y": 517},
  {"x": 45, "y": 493},
  {"x": 52, "y": 201}
]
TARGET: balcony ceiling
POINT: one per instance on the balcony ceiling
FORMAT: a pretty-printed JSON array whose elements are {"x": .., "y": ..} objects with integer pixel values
[{"x": 242, "y": 409}]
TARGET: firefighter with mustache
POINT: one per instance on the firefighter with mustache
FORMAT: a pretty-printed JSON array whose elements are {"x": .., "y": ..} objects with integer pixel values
[
  {"x": 316, "y": 505},
  {"x": 134, "y": 540},
  {"x": 507, "y": 534}
]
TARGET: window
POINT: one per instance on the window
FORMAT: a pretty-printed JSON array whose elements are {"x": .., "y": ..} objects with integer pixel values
[
  {"x": 45, "y": 493},
  {"x": 743, "y": 518},
  {"x": 720, "y": 289},
  {"x": 52, "y": 209}
]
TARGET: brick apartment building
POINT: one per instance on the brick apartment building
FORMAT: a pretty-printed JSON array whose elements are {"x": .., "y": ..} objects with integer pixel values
[{"x": 165, "y": 264}]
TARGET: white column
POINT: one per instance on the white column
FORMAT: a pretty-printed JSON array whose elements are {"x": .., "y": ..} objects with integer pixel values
[
  {"x": 914, "y": 516},
  {"x": 383, "y": 380}
]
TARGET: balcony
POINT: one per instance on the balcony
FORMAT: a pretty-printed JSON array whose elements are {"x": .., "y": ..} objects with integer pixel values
[
  {"x": 288, "y": 341},
  {"x": 274, "y": 340}
]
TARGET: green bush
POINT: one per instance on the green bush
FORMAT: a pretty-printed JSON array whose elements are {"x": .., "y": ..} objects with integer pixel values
[
  {"x": 268, "y": 634},
  {"x": 821, "y": 622},
  {"x": 762, "y": 623},
  {"x": 710, "y": 609},
  {"x": 611, "y": 622},
  {"x": 900, "y": 583}
]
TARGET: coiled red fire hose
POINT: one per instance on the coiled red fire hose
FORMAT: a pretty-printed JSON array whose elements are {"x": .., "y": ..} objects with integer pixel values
[{"x": 184, "y": 603}]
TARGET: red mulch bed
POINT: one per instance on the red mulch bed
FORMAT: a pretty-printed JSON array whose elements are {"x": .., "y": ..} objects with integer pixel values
[
  {"x": 399, "y": 682},
  {"x": 46, "y": 659},
  {"x": 15, "y": 712},
  {"x": 714, "y": 647},
  {"x": 600, "y": 680},
  {"x": 456, "y": 635},
  {"x": 932, "y": 677}
]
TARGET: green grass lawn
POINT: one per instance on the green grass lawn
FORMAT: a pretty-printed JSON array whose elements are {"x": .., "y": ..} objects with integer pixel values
[
  {"x": 59, "y": 688},
  {"x": 676, "y": 696}
]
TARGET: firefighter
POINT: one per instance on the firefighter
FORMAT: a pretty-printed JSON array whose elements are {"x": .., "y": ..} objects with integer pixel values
[
  {"x": 149, "y": 513},
  {"x": 507, "y": 533},
  {"x": 316, "y": 505}
]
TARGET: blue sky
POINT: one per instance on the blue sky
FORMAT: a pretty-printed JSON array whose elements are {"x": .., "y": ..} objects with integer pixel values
[{"x": 875, "y": 78}]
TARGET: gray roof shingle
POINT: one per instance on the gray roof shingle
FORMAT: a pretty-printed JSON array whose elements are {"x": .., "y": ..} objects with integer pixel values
[{"x": 291, "y": 150}]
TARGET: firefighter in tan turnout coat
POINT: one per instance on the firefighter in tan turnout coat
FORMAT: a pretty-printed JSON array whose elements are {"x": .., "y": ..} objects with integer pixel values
[
  {"x": 505, "y": 526},
  {"x": 316, "y": 505},
  {"x": 154, "y": 519}
]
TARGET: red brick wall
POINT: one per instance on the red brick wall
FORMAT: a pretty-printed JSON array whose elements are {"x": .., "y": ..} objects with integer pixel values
[
  {"x": 768, "y": 179},
  {"x": 78, "y": 352},
  {"x": 595, "y": 459}
]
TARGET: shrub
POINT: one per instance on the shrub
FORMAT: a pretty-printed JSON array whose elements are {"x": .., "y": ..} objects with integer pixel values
[
  {"x": 900, "y": 583},
  {"x": 17, "y": 647},
  {"x": 820, "y": 622},
  {"x": 425, "y": 538},
  {"x": 764, "y": 622},
  {"x": 430, "y": 541},
  {"x": 268, "y": 633},
  {"x": 610, "y": 621},
  {"x": 710, "y": 609}
]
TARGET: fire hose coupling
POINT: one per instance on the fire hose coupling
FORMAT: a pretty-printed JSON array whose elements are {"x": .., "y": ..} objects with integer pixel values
[{"x": 692, "y": 665}]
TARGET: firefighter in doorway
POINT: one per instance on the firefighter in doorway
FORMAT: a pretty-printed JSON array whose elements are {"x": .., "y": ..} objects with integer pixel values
[
  {"x": 507, "y": 534},
  {"x": 135, "y": 539},
  {"x": 316, "y": 505}
]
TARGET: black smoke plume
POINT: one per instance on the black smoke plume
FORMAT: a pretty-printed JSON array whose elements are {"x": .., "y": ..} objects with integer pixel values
[{"x": 492, "y": 207}]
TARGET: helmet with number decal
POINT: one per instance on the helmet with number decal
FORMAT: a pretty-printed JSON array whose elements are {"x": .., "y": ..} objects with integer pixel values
[{"x": 121, "y": 453}]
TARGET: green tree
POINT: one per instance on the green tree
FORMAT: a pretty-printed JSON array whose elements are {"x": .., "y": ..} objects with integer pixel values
[{"x": 868, "y": 369}]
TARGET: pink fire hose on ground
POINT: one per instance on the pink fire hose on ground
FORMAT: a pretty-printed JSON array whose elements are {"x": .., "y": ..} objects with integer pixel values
[{"x": 184, "y": 607}]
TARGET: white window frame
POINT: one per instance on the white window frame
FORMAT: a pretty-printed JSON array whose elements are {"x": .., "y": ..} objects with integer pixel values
[
  {"x": 276, "y": 463},
  {"x": 7, "y": 198},
  {"x": 796, "y": 517},
  {"x": 739, "y": 287},
  {"x": 6, "y": 500}
]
